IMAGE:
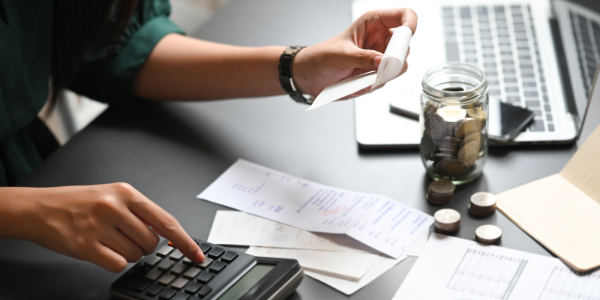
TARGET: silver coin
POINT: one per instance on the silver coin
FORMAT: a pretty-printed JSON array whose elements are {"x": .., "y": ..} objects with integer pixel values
[
  {"x": 483, "y": 199},
  {"x": 447, "y": 216},
  {"x": 488, "y": 233}
]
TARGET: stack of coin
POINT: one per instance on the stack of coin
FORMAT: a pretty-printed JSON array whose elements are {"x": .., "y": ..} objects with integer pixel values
[
  {"x": 488, "y": 234},
  {"x": 447, "y": 221},
  {"x": 440, "y": 192},
  {"x": 482, "y": 204},
  {"x": 452, "y": 139}
]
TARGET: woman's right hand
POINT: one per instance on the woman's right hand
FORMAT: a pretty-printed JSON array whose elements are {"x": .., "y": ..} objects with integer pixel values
[{"x": 107, "y": 224}]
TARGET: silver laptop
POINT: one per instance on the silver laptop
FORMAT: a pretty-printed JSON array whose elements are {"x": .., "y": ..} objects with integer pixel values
[{"x": 538, "y": 54}]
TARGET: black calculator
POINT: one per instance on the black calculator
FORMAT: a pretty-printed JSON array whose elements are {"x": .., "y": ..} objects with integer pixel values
[{"x": 225, "y": 274}]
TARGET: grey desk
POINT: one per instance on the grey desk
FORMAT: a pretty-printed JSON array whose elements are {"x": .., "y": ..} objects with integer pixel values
[{"x": 171, "y": 152}]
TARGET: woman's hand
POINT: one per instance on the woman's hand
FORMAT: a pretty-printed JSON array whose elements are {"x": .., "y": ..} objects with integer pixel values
[
  {"x": 356, "y": 50},
  {"x": 103, "y": 224}
]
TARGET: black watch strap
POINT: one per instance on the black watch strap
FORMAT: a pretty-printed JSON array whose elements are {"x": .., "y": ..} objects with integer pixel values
[{"x": 285, "y": 74}]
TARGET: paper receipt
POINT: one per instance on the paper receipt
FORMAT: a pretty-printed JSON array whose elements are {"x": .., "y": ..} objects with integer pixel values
[{"x": 390, "y": 67}]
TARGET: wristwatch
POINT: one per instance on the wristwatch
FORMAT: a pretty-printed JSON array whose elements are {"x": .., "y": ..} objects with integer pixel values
[{"x": 285, "y": 74}]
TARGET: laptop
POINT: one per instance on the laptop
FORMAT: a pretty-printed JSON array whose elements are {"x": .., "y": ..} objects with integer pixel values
[{"x": 537, "y": 54}]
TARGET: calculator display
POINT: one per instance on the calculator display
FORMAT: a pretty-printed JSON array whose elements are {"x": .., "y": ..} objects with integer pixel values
[{"x": 248, "y": 281}]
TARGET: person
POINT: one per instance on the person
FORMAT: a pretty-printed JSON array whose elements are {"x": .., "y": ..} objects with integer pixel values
[{"x": 117, "y": 52}]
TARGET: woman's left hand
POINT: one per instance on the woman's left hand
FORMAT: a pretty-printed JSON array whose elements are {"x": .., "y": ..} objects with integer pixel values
[{"x": 357, "y": 50}]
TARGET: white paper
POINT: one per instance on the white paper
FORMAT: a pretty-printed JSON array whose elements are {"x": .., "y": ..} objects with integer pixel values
[
  {"x": 378, "y": 221},
  {"x": 390, "y": 67},
  {"x": 382, "y": 264},
  {"x": 345, "y": 265},
  {"x": 242, "y": 229},
  {"x": 451, "y": 268}
]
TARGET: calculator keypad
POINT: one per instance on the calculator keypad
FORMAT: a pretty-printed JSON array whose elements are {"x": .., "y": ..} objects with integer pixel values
[{"x": 169, "y": 275}]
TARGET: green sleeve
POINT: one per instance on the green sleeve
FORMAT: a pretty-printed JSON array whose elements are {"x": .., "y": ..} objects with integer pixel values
[{"x": 110, "y": 74}]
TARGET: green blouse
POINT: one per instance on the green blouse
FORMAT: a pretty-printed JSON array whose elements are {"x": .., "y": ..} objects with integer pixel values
[{"x": 25, "y": 49}]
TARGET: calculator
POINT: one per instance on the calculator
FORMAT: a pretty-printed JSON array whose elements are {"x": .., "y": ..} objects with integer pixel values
[{"x": 225, "y": 274}]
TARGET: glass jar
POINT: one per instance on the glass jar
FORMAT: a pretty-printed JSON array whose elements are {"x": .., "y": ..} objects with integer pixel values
[{"x": 453, "y": 119}]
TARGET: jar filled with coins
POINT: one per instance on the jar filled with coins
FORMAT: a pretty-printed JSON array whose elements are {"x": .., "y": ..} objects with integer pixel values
[{"x": 454, "y": 110}]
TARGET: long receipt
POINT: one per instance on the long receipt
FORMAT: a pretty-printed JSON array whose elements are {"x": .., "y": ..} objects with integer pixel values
[
  {"x": 390, "y": 67},
  {"x": 379, "y": 222},
  {"x": 451, "y": 268}
]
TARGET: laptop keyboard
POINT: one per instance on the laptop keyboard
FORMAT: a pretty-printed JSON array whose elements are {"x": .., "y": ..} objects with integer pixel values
[
  {"x": 501, "y": 40},
  {"x": 587, "y": 38}
]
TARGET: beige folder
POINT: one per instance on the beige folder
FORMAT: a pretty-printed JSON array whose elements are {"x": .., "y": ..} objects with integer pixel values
[{"x": 562, "y": 211}]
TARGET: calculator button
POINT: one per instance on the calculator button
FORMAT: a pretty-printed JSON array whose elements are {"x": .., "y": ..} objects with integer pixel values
[
  {"x": 205, "y": 247},
  {"x": 165, "y": 264},
  {"x": 167, "y": 294},
  {"x": 152, "y": 261},
  {"x": 229, "y": 256},
  {"x": 217, "y": 266},
  {"x": 179, "y": 283},
  {"x": 137, "y": 285},
  {"x": 166, "y": 279},
  {"x": 140, "y": 271},
  {"x": 193, "y": 287},
  {"x": 181, "y": 296},
  {"x": 207, "y": 261},
  {"x": 152, "y": 275},
  {"x": 205, "y": 277},
  {"x": 178, "y": 268},
  {"x": 194, "y": 298},
  {"x": 204, "y": 291},
  {"x": 215, "y": 253},
  {"x": 164, "y": 251},
  {"x": 176, "y": 255},
  {"x": 153, "y": 290},
  {"x": 191, "y": 273},
  {"x": 187, "y": 261}
]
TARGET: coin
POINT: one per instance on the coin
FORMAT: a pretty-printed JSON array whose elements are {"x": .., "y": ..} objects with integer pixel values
[
  {"x": 472, "y": 137},
  {"x": 447, "y": 221},
  {"x": 478, "y": 113},
  {"x": 427, "y": 146},
  {"x": 453, "y": 168},
  {"x": 430, "y": 109},
  {"x": 451, "y": 114},
  {"x": 435, "y": 126},
  {"x": 440, "y": 192},
  {"x": 488, "y": 234},
  {"x": 466, "y": 126},
  {"x": 482, "y": 204},
  {"x": 447, "y": 142},
  {"x": 469, "y": 153}
]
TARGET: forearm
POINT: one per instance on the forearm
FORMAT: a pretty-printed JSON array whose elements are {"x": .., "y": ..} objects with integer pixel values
[
  {"x": 184, "y": 68},
  {"x": 16, "y": 212}
]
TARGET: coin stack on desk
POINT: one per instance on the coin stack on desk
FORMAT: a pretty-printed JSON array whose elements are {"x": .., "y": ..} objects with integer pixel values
[
  {"x": 482, "y": 204},
  {"x": 440, "y": 192},
  {"x": 488, "y": 234},
  {"x": 453, "y": 139},
  {"x": 447, "y": 221}
]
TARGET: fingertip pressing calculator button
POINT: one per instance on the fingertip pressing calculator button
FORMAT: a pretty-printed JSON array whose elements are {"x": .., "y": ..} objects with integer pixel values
[
  {"x": 176, "y": 255},
  {"x": 152, "y": 275},
  {"x": 217, "y": 266},
  {"x": 205, "y": 277},
  {"x": 152, "y": 260},
  {"x": 166, "y": 279},
  {"x": 215, "y": 253},
  {"x": 165, "y": 264},
  {"x": 205, "y": 247},
  {"x": 178, "y": 268},
  {"x": 179, "y": 283},
  {"x": 181, "y": 296},
  {"x": 137, "y": 285},
  {"x": 193, "y": 287},
  {"x": 187, "y": 261},
  {"x": 167, "y": 294},
  {"x": 191, "y": 273},
  {"x": 207, "y": 261},
  {"x": 164, "y": 251},
  {"x": 153, "y": 290},
  {"x": 229, "y": 256},
  {"x": 204, "y": 291}
]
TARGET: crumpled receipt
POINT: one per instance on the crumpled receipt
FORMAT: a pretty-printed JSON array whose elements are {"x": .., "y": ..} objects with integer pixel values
[{"x": 390, "y": 67}]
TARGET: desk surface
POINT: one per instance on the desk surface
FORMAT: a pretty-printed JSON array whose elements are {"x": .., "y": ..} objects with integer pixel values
[{"x": 171, "y": 152}]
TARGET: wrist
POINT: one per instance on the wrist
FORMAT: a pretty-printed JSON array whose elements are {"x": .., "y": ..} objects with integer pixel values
[
  {"x": 18, "y": 213},
  {"x": 301, "y": 67}
]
